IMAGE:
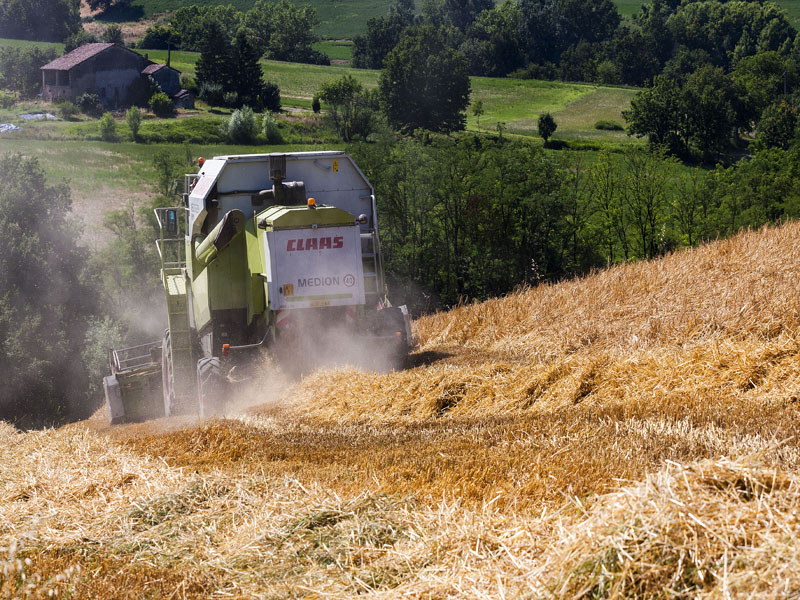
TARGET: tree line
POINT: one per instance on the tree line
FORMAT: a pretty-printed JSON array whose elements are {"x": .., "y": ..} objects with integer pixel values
[
  {"x": 586, "y": 40},
  {"x": 277, "y": 30},
  {"x": 473, "y": 217},
  {"x": 42, "y": 20}
]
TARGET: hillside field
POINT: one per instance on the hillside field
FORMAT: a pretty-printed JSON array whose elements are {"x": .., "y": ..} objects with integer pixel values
[{"x": 633, "y": 434}]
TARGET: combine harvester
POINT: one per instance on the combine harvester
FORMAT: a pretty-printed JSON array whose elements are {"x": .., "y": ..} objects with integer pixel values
[{"x": 268, "y": 251}]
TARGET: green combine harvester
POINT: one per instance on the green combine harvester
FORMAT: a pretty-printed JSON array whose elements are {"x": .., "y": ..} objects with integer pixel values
[{"x": 269, "y": 251}]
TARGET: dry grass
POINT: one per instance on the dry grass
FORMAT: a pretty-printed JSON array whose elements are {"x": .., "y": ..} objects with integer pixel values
[{"x": 630, "y": 434}]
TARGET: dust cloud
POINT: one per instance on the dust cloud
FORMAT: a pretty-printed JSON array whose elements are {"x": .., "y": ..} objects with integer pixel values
[{"x": 310, "y": 344}]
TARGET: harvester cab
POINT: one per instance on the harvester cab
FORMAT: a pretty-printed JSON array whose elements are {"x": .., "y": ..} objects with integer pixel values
[{"x": 269, "y": 251}]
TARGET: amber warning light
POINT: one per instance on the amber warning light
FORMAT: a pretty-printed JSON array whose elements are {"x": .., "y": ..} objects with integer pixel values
[
  {"x": 201, "y": 161},
  {"x": 226, "y": 349},
  {"x": 312, "y": 203}
]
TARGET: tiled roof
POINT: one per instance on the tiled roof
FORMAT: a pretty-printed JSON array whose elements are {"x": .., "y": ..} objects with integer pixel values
[
  {"x": 150, "y": 69},
  {"x": 77, "y": 56}
]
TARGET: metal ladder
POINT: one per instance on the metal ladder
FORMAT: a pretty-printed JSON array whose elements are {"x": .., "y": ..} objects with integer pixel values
[
  {"x": 172, "y": 252},
  {"x": 373, "y": 270}
]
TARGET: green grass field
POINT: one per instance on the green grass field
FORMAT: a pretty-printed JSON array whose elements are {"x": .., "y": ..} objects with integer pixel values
[
  {"x": 336, "y": 49},
  {"x": 8, "y": 43},
  {"x": 515, "y": 102}
]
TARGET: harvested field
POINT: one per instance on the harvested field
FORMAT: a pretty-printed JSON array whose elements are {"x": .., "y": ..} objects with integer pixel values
[{"x": 633, "y": 434}]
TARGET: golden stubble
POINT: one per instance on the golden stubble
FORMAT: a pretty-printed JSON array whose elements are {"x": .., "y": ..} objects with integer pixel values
[{"x": 629, "y": 434}]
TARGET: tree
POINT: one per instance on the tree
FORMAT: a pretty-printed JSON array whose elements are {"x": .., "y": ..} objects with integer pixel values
[
  {"x": 478, "y": 110},
  {"x": 776, "y": 128},
  {"x": 45, "y": 304},
  {"x": 259, "y": 22},
  {"x": 492, "y": 43},
  {"x": 644, "y": 193},
  {"x": 764, "y": 77},
  {"x": 158, "y": 37},
  {"x": 78, "y": 39},
  {"x": 546, "y": 126},
  {"x": 113, "y": 35},
  {"x": 605, "y": 186},
  {"x": 20, "y": 69},
  {"x": 42, "y": 20},
  {"x": 462, "y": 13},
  {"x": 349, "y": 106},
  {"x": 247, "y": 80},
  {"x": 134, "y": 120},
  {"x": 589, "y": 20},
  {"x": 711, "y": 100},
  {"x": 189, "y": 24},
  {"x": 542, "y": 30},
  {"x": 658, "y": 112},
  {"x": 425, "y": 84},
  {"x": 634, "y": 55},
  {"x": 383, "y": 33},
  {"x": 214, "y": 64},
  {"x": 293, "y": 34}
]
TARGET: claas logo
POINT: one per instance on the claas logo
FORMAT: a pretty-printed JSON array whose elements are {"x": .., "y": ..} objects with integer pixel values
[{"x": 323, "y": 243}]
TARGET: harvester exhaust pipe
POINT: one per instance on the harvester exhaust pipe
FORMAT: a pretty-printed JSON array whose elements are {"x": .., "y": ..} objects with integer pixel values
[{"x": 290, "y": 193}]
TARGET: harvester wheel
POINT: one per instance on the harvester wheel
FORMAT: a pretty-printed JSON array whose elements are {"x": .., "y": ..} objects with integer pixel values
[
  {"x": 209, "y": 386},
  {"x": 166, "y": 375}
]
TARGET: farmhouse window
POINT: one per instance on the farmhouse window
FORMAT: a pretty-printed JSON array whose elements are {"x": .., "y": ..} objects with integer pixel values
[
  {"x": 63, "y": 77},
  {"x": 50, "y": 77}
]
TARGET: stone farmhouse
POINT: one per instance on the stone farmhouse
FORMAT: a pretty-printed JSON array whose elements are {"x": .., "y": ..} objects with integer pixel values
[{"x": 109, "y": 71}]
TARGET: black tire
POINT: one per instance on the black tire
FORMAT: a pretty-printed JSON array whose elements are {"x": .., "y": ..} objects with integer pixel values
[
  {"x": 167, "y": 382},
  {"x": 210, "y": 386},
  {"x": 391, "y": 324}
]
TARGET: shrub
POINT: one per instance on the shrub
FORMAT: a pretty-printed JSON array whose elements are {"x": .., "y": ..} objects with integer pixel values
[
  {"x": 161, "y": 105},
  {"x": 608, "y": 125},
  {"x": 134, "y": 120},
  {"x": 270, "y": 129},
  {"x": 271, "y": 97},
  {"x": 241, "y": 128},
  {"x": 188, "y": 83},
  {"x": 608, "y": 72},
  {"x": 315, "y": 104},
  {"x": 67, "y": 110},
  {"x": 108, "y": 128},
  {"x": 141, "y": 90},
  {"x": 156, "y": 37},
  {"x": 7, "y": 99},
  {"x": 90, "y": 104},
  {"x": 230, "y": 98},
  {"x": 212, "y": 94}
]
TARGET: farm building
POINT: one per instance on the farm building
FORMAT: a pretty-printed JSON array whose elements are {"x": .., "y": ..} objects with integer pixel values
[{"x": 109, "y": 71}]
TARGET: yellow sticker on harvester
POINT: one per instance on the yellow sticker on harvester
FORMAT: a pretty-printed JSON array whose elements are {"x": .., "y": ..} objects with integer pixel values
[
  {"x": 336, "y": 166},
  {"x": 288, "y": 289}
]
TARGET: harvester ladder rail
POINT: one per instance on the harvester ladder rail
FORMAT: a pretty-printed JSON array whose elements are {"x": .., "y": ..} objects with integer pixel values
[
  {"x": 172, "y": 252},
  {"x": 371, "y": 261}
]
